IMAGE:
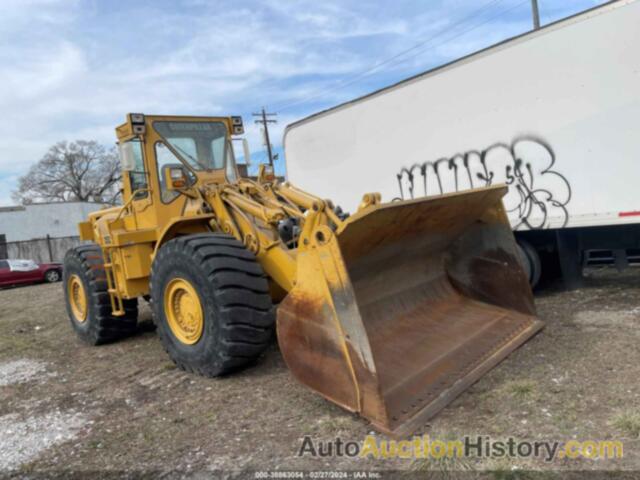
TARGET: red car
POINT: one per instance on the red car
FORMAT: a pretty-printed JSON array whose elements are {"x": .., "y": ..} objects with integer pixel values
[{"x": 16, "y": 272}]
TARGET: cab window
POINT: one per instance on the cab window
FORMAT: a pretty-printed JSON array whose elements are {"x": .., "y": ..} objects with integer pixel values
[
  {"x": 137, "y": 176},
  {"x": 202, "y": 145},
  {"x": 165, "y": 157}
]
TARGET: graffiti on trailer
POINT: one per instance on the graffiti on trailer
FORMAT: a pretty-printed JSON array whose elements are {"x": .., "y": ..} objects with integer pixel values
[{"x": 537, "y": 192}]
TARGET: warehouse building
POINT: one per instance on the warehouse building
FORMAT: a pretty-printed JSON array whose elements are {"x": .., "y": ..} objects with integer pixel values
[
  {"x": 42, "y": 231},
  {"x": 41, "y": 219}
]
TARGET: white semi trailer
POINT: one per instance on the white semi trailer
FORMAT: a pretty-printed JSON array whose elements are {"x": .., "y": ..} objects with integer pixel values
[{"x": 554, "y": 113}]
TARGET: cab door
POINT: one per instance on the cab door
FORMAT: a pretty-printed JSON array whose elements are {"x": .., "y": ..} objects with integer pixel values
[
  {"x": 168, "y": 204},
  {"x": 137, "y": 185}
]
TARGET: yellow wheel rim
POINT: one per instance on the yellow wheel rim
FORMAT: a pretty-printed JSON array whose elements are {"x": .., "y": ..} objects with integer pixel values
[
  {"x": 77, "y": 298},
  {"x": 183, "y": 311}
]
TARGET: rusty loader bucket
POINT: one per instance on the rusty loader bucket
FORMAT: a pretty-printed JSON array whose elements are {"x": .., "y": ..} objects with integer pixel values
[{"x": 406, "y": 305}]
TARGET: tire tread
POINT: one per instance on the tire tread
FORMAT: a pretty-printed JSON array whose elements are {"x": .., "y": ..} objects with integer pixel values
[
  {"x": 244, "y": 311},
  {"x": 105, "y": 327}
]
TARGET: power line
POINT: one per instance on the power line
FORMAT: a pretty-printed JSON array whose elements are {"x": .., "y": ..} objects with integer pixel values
[
  {"x": 265, "y": 121},
  {"x": 375, "y": 67},
  {"x": 518, "y": 5},
  {"x": 394, "y": 60}
]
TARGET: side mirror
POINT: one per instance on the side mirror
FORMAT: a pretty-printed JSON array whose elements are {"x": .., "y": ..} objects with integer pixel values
[
  {"x": 127, "y": 158},
  {"x": 174, "y": 177}
]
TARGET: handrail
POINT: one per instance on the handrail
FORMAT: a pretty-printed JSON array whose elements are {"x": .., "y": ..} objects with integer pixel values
[{"x": 128, "y": 204}]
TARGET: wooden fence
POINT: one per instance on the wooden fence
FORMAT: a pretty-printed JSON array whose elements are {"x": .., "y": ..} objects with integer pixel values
[{"x": 41, "y": 250}]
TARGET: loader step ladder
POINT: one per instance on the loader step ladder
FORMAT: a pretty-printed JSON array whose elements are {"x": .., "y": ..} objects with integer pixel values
[{"x": 117, "y": 306}]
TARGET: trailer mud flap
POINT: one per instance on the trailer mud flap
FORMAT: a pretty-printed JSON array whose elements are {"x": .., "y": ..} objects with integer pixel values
[{"x": 405, "y": 306}]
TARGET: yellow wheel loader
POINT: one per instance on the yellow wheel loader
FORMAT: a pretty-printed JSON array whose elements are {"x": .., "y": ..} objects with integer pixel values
[{"x": 390, "y": 312}]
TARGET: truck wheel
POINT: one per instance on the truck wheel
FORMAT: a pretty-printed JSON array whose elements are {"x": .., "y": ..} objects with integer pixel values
[
  {"x": 530, "y": 261},
  {"x": 87, "y": 299},
  {"x": 211, "y": 303}
]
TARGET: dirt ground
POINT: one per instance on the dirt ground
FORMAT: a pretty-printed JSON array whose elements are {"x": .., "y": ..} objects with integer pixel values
[{"x": 124, "y": 407}]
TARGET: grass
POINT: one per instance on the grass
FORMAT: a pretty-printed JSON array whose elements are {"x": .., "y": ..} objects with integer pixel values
[
  {"x": 521, "y": 389},
  {"x": 335, "y": 423},
  {"x": 94, "y": 444},
  {"x": 567, "y": 419},
  {"x": 502, "y": 469},
  {"x": 16, "y": 343},
  {"x": 443, "y": 468},
  {"x": 505, "y": 473},
  {"x": 211, "y": 416},
  {"x": 629, "y": 423}
]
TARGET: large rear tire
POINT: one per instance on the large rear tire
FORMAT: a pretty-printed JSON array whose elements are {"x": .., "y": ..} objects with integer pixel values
[
  {"x": 87, "y": 298},
  {"x": 211, "y": 303}
]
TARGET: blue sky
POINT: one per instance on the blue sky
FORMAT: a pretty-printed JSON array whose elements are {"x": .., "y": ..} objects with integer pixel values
[{"x": 72, "y": 69}]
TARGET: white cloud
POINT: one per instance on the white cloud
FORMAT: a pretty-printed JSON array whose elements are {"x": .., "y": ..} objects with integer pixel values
[
  {"x": 73, "y": 69},
  {"x": 16, "y": 14}
]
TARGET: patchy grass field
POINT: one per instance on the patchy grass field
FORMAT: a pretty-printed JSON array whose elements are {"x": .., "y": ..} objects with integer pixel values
[{"x": 124, "y": 407}]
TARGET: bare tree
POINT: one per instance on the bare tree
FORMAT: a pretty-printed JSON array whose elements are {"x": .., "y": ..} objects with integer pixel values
[{"x": 76, "y": 171}]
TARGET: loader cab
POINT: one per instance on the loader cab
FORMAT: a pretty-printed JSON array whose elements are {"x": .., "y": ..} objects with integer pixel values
[{"x": 163, "y": 155}]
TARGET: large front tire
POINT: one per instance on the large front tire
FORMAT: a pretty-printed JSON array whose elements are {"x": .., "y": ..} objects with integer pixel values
[
  {"x": 211, "y": 303},
  {"x": 87, "y": 298}
]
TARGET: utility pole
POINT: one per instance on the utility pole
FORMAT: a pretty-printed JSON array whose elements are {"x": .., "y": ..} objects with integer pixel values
[
  {"x": 265, "y": 121},
  {"x": 536, "y": 14}
]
